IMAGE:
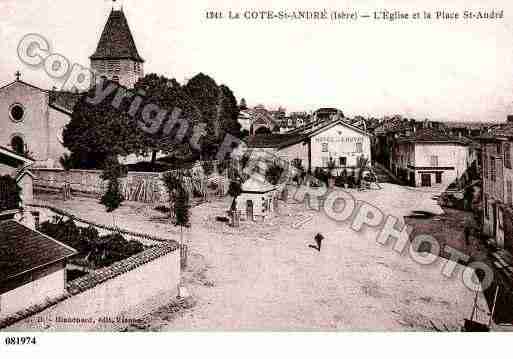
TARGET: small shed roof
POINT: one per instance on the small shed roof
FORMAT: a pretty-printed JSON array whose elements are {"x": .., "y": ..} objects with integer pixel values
[
  {"x": 257, "y": 185},
  {"x": 23, "y": 250}
]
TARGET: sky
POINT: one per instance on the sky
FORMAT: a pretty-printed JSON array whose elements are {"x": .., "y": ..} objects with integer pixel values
[{"x": 441, "y": 70}]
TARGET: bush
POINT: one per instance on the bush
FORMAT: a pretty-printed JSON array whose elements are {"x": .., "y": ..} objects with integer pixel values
[
  {"x": 208, "y": 167},
  {"x": 321, "y": 175},
  {"x": 101, "y": 250},
  {"x": 273, "y": 174},
  {"x": 351, "y": 181},
  {"x": 162, "y": 209},
  {"x": 340, "y": 180},
  {"x": 10, "y": 193}
]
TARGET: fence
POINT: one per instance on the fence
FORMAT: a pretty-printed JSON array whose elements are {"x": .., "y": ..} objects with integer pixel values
[{"x": 144, "y": 187}]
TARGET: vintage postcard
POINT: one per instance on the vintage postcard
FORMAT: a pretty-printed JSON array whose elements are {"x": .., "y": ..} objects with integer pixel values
[{"x": 224, "y": 165}]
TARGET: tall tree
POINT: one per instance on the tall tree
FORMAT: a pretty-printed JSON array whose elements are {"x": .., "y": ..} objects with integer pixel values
[
  {"x": 99, "y": 130},
  {"x": 204, "y": 93},
  {"x": 169, "y": 96},
  {"x": 113, "y": 198},
  {"x": 182, "y": 207},
  {"x": 228, "y": 112}
]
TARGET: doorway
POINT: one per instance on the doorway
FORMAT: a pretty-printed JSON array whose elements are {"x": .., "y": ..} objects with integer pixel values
[
  {"x": 249, "y": 209},
  {"x": 425, "y": 179}
]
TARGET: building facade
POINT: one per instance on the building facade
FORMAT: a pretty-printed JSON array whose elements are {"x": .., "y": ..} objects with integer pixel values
[
  {"x": 33, "y": 121},
  {"x": 430, "y": 158},
  {"x": 497, "y": 191},
  {"x": 331, "y": 141}
]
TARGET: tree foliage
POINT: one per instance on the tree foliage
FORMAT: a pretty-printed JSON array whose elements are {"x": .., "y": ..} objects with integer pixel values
[
  {"x": 113, "y": 198},
  {"x": 10, "y": 193},
  {"x": 229, "y": 112},
  {"x": 181, "y": 208},
  {"x": 204, "y": 93},
  {"x": 116, "y": 127},
  {"x": 274, "y": 173}
]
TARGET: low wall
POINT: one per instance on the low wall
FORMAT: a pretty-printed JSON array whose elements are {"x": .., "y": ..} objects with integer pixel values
[
  {"x": 136, "y": 186},
  {"x": 111, "y": 292}
]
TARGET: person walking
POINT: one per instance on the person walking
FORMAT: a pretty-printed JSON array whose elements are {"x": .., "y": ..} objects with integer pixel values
[{"x": 318, "y": 240}]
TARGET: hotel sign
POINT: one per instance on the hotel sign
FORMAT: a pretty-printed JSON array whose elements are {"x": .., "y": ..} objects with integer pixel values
[{"x": 333, "y": 139}]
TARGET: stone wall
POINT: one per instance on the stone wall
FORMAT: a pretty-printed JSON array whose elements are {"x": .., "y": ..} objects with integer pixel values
[{"x": 111, "y": 293}]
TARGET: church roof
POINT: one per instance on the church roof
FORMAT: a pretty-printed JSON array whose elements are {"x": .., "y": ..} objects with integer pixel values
[
  {"x": 116, "y": 41},
  {"x": 63, "y": 100}
]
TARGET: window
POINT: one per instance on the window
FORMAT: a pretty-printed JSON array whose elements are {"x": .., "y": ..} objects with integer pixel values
[
  {"x": 342, "y": 161},
  {"x": 438, "y": 177},
  {"x": 499, "y": 148},
  {"x": 18, "y": 145},
  {"x": 16, "y": 112},
  {"x": 359, "y": 147},
  {"x": 486, "y": 206},
  {"x": 485, "y": 166},
  {"x": 115, "y": 78},
  {"x": 507, "y": 155},
  {"x": 492, "y": 169},
  {"x": 434, "y": 161},
  {"x": 325, "y": 161},
  {"x": 325, "y": 147},
  {"x": 509, "y": 192}
]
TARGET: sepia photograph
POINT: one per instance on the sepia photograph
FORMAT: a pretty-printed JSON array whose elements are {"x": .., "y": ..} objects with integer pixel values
[{"x": 255, "y": 166}]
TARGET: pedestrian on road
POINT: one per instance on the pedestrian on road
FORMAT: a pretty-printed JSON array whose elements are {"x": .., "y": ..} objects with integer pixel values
[{"x": 318, "y": 240}]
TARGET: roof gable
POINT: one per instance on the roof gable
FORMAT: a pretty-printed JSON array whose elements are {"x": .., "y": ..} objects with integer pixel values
[
  {"x": 339, "y": 122},
  {"x": 116, "y": 41},
  {"x": 23, "y": 250}
]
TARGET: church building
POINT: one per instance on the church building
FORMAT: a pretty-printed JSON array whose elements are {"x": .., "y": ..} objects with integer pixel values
[
  {"x": 33, "y": 118},
  {"x": 116, "y": 57}
]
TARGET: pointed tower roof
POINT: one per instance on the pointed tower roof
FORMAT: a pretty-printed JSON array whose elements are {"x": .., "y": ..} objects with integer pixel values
[{"x": 116, "y": 41}]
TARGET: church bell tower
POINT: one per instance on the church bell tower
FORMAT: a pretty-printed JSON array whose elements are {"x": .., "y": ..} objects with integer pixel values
[{"x": 116, "y": 57}]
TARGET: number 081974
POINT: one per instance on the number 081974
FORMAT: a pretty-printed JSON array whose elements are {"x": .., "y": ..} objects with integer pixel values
[{"x": 20, "y": 340}]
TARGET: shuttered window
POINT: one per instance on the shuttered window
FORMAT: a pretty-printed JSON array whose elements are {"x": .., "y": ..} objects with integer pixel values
[
  {"x": 509, "y": 192},
  {"x": 507, "y": 155},
  {"x": 485, "y": 166},
  {"x": 492, "y": 169}
]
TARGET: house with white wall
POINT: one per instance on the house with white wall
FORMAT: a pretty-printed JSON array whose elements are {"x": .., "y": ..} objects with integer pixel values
[
  {"x": 18, "y": 166},
  {"x": 32, "y": 268},
  {"x": 430, "y": 158},
  {"x": 336, "y": 141}
]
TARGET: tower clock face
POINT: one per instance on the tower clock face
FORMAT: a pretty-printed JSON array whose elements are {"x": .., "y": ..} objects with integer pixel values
[{"x": 16, "y": 112}]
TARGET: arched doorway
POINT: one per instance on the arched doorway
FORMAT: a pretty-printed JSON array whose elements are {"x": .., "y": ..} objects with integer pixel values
[{"x": 18, "y": 145}]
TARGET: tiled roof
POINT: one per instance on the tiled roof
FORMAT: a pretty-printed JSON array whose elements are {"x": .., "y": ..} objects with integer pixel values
[
  {"x": 257, "y": 185},
  {"x": 23, "y": 249},
  {"x": 101, "y": 275},
  {"x": 11, "y": 153},
  {"x": 64, "y": 100},
  {"x": 433, "y": 136},
  {"x": 275, "y": 140},
  {"x": 116, "y": 41},
  {"x": 502, "y": 130}
]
